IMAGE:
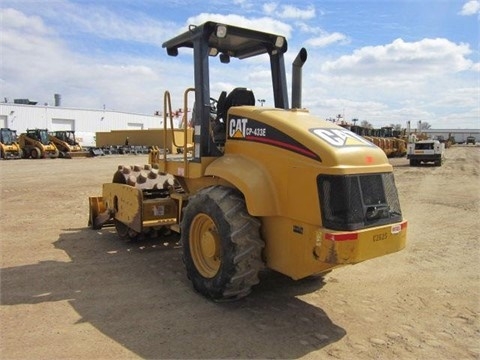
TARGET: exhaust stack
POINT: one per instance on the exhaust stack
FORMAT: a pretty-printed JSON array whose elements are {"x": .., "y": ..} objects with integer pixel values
[{"x": 297, "y": 78}]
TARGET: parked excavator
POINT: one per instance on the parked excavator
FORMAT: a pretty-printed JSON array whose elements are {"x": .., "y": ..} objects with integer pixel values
[
  {"x": 262, "y": 187},
  {"x": 67, "y": 144},
  {"x": 9, "y": 147},
  {"x": 36, "y": 144}
]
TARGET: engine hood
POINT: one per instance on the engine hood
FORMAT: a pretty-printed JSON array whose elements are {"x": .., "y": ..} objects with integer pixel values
[{"x": 300, "y": 132}]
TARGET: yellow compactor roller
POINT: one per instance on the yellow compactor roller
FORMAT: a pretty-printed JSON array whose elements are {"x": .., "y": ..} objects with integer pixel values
[{"x": 260, "y": 187}]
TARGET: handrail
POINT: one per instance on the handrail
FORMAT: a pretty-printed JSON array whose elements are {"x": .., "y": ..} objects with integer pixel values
[
  {"x": 165, "y": 97},
  {"x": 185, "y": 127},
  {"x": 167, "y": 111},
  {"x": 168, "y": 98}
]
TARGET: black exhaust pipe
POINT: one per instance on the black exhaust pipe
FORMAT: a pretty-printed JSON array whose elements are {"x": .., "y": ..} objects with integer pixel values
[{"x": 297, "y": 78}]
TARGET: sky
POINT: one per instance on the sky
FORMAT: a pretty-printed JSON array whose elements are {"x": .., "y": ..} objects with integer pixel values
[{"x": 381, "y": 61}]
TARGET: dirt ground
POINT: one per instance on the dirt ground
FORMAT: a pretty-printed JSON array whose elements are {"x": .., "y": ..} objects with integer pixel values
[{"x": 69, "y": 292}]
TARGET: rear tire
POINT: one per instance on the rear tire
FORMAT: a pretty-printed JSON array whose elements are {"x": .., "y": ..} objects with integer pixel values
[{"x": 221, "y": 244}]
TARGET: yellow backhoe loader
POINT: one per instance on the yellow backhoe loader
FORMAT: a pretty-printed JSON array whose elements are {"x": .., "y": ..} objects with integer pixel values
[
  {"x": 9, "y": 147},
  {"x": 272, "y": 187}
]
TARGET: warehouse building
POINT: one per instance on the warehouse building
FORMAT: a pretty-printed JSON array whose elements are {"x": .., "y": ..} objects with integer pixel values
[
  {"x": 25, "y": 114},
  {"x": 459, "y": 135}
]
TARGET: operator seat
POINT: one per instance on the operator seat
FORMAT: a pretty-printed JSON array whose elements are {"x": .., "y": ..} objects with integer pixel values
[
  {"x": 221, "y": 104},
  {"x": 237, "y": 97}
]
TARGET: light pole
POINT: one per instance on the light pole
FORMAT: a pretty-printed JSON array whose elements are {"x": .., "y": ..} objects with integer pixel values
[{"x": 261, "y": 101}]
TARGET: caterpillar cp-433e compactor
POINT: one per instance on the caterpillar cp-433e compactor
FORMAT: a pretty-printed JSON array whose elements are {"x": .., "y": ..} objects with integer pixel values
[{"x": 261, "y": 187}]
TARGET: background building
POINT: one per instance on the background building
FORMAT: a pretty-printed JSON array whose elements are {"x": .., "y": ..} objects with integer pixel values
[
  {"x": 460, "y": 135},
  {"x": 85, "y": 122}
]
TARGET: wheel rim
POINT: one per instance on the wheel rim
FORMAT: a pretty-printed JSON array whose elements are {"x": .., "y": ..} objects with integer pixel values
[{"x": 205, "y": 245}]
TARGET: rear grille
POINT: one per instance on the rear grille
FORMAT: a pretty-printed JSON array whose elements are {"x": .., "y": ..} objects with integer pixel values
[{"x": 352, "y": 202}]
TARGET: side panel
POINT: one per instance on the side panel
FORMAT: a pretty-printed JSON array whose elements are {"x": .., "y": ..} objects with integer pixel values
[
  {"x": 302, "y": 194},
  {"x": 125, "y": 202},
  {"x": 286, "y": 190},
  {"x": 289, "y": 247},
  {"x": 252, "y": 179}
]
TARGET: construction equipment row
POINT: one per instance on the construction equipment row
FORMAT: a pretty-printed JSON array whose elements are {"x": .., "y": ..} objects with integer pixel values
[
  {"x": 39, "y": 144},
  {"x": 392, "y": 142}
]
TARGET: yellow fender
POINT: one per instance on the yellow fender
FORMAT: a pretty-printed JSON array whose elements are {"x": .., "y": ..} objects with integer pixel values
[{"x": 251, "y": 179}]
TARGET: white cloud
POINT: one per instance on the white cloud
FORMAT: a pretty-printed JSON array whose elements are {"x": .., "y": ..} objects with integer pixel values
[
  {"x": 15, "y": 19},
  {"x": 458, "y": 97},
  {"x": 292, "y": 12},
  {"x": 36, "y": 65},
  {"x": 321, "y": 37},
  {"x": 327, "y": 39},
  {"x": 244, "y": 4},
  {"x": 427, "y": 57},
  {"x": 429, "y": 80},
  {"x": 29, "y": 49},
  {"x": 107, "y": 24},
  {"x": 97, "y": 20},
  {"x": 270, "y": 8},
  {"x": 471, "y": 7},
  {"x": 288, "y": 11},
  {"x": 306, "y": 28}
]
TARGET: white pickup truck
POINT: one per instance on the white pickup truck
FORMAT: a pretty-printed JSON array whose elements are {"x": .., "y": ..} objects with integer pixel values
[{"x": 425, "y": 151}]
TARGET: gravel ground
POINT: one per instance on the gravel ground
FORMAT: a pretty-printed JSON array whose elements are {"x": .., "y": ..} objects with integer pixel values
[{"x": 69, "y": 292}]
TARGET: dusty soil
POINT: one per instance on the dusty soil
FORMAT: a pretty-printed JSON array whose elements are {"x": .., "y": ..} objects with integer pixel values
[{"x": 69, "y": 292}]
